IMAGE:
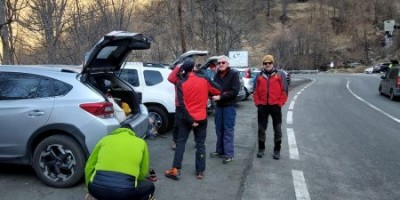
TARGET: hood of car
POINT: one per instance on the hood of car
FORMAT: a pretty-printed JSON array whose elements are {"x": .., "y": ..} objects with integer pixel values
[
  {"x": 188, "y": 54},
  {"x": 111, "y": 51}
]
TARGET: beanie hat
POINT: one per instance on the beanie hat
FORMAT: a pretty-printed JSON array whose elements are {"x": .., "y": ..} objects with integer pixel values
[
  {"x": 268, "y": 58},
  {"x": 187, "y": 65}
]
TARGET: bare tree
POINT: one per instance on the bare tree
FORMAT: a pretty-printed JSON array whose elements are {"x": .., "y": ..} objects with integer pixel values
[
  {"x": 181, "y": 26},
  {"x": 9, "y": 10},
  {"x": 284, "y": 17},
  {"x": 49, "y": 18}
]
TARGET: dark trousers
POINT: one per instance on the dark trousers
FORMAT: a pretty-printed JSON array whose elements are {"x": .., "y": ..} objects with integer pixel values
[
  {"x": 200, "y": 133},
  {"x": 143, "y": 191},
  {"x": 224, "y": 128},
  {"x": 263, "y": 112},
  {"x": 175, "y": 127}
]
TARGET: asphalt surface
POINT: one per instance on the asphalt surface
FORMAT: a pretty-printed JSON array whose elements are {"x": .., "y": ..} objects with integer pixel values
[
  {"x": 222, "y": 181},
  {"x": 345, "y": 134}
]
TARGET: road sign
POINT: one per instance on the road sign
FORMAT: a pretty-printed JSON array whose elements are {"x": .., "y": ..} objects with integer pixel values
[
  {"x": 239, "y": 58},
  {"x": 389, "y": 26}
]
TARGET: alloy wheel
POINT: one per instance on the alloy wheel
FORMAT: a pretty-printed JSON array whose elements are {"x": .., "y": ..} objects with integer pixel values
[{"x": 57, "y": 163}]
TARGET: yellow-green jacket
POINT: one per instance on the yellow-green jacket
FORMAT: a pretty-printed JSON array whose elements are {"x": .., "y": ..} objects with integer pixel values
[{"x": 120, "y": 151}]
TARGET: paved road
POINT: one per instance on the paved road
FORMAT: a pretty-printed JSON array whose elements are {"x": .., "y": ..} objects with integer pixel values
[
  {"x": 221, "y": 181},
  {"x": 336, "y": 145},
  {"x": 342, "y": 142}
]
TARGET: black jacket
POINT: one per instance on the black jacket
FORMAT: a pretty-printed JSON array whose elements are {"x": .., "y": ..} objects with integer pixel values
[{"x": 230, "y": 87}]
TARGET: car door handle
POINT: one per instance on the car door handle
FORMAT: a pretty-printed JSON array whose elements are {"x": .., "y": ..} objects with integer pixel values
[{"x": 35, "y": 113}]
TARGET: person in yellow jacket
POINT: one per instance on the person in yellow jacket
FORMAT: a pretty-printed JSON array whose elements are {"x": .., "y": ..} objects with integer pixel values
[{"x": 117, "y": 167}]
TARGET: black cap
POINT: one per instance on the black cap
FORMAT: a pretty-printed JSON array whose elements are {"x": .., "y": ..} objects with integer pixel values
[{"x": 187, "y": 65}]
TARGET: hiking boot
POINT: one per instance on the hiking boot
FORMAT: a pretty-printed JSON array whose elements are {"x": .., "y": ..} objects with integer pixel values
[
  {"x": 153, "y": 176},
  {"x": 260, "y": 153},
  {"x": 199, "y": 175},
  {"x": 227, "y": 160},
  {"x": 173, "y": 173},
  {"x": 215, "y": 155},
  {"x": 276, "y": 155},
  {"x": 151, "y": 197}
]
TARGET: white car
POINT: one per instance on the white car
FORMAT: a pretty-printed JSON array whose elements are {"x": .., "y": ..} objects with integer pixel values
[
  {"x": 158, "y": 94},
  {"x": 248, "y": 80},
  {"x": 369, "y": 70}
]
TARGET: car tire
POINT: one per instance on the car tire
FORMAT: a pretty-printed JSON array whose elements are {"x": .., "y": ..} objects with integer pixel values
[
  {"x": 160, "y": 117},
  {"x": 391, "y": 95},
  {"x": 380, "y": 90},
  {"x": 59, "y": 161}
]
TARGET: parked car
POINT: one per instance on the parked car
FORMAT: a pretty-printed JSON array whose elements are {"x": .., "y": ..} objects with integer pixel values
[
  {"x": 158, "y": 94},
  {"x": 288, "y": 76},
  {"x": 51, "y": 118},
  {"x": 369, "y": 70},
  {"x": 247, "y": 78},
  {"x": 390, "y": 83},
  {"x": 381, "y": 67}
]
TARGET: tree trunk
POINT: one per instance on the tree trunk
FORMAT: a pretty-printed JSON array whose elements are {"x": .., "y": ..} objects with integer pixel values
[
  {"x": 7, "y": 52},
  {"x": 181, "y": 27},
  {"x": 217, "y": 45}
]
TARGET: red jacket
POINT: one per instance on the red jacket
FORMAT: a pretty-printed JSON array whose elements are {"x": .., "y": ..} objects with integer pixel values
[
  {"x": 174, "y": 78},
  {"x": 193, "y": 92},
  {"x": 270, "y": 88}
]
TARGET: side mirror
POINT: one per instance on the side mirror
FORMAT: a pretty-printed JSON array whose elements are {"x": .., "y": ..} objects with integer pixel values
[{"x": 382, "y": 77}]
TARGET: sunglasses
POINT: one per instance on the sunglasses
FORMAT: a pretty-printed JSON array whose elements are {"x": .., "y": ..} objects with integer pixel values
[
  {"x": 223, "y": 62},
  {"x": 267, "y": 63}
]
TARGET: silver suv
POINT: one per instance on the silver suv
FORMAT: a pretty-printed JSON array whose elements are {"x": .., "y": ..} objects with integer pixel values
[{"x": 51, "y": 118}]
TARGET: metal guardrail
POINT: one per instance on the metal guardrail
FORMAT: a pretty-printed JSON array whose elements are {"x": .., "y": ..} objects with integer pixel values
[{"x": 307, "y": 71}]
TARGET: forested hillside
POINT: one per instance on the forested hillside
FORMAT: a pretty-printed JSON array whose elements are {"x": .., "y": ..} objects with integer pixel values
[{"x": 301, "y": 34}]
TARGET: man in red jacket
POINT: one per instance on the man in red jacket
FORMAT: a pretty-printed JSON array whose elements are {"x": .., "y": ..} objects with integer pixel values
[
  {"x": 270, "y": 94},
  {"x": 192, "y": 94}
]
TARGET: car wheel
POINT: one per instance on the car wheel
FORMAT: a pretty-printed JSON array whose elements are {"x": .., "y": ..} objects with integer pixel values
[
  {"x": 159, "y": 117},
  {"x": 380, "y": 90},
  {"x": 59, "y": 161},
  {"x": 391, "y": 95}
]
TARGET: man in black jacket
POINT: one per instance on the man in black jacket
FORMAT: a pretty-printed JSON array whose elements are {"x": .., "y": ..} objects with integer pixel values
[{"x": 225, "y": 111}]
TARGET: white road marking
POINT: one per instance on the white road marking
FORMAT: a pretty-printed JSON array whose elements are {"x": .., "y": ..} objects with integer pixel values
[
  {"x": 291, "y": 105},
  {"x": 370, "y": 105},
  {"x": 289, "y": 118},
  {"x": 293, "y": 152},
  {"x": 295, "y": 96},
  {"x": 300, "y": 186}
]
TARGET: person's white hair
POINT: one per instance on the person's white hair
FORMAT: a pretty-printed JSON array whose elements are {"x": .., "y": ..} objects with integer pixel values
[{"x": 226, "y": 58}]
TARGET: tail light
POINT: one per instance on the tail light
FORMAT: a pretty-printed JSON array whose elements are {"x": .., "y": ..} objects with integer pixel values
[
  {"x": 100, "y": 109},
  {"x": 398, "y": 82},
  {"x": 248, "y": 74}
]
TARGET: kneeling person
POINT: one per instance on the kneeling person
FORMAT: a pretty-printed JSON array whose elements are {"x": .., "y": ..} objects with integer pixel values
[{"x": 117, "y": 167}]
